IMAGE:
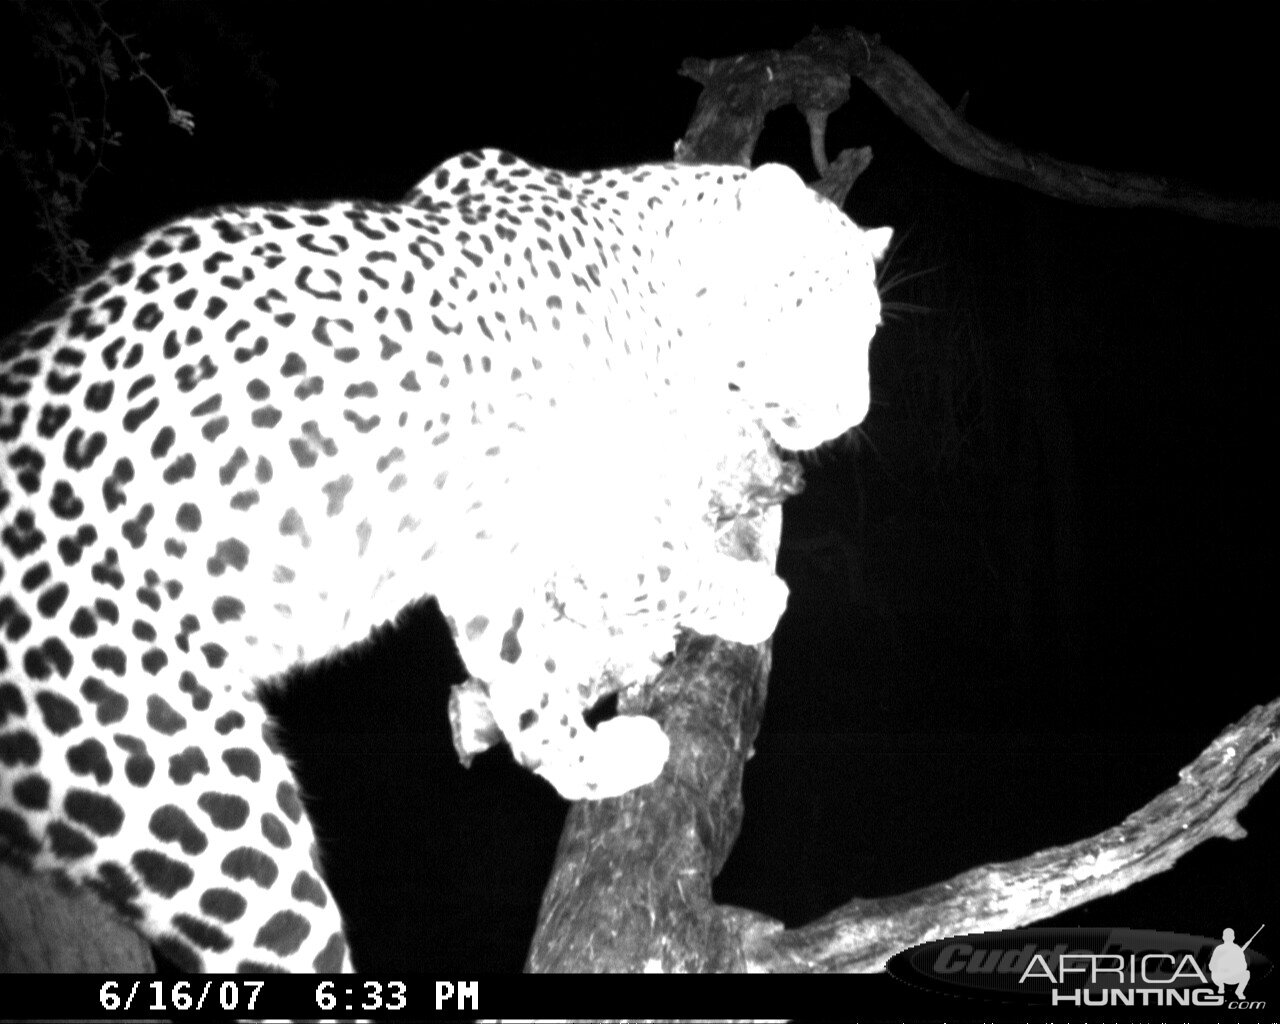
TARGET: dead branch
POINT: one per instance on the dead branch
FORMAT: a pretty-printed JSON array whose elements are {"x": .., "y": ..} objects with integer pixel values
[
  {"x": 1209, "y": 794},
  {"x": 815, "y": 75}
]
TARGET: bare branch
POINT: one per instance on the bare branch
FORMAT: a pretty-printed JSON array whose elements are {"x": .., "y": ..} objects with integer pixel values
[
  {"x": 178, "y": 117},
  {"x": 815, "y": 76},
  {"x": 1211, "y": 791},
  {"x": 740, "y": 91},
  {"x": 921, "y": 109}
]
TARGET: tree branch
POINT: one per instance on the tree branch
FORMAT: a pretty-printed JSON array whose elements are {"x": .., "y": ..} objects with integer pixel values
[
  {"x": 1210, "y": 792},
  {"x": 815, "y": 75}
]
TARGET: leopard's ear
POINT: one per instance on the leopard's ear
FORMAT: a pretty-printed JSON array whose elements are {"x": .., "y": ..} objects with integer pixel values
[
  {"x": 771, "y": 192},
  {"x": 769, "y": 183},
  {"x": 877, "y": 240}
]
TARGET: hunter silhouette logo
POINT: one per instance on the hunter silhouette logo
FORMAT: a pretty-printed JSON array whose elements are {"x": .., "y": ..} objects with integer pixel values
[
  {"x": 1088, "y": 967},
  {"x": 1227, "y": 965}
]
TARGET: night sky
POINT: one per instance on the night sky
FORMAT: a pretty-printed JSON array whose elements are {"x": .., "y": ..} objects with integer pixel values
[{"x": 1040, "y": 583}]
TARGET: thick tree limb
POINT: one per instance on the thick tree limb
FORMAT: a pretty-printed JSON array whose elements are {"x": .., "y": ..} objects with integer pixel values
[
  {"x": 815, "y": 75},
  {"x": 1210, "y": 792}
]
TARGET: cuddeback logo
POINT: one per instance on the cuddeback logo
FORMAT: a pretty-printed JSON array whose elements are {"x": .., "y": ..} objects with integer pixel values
[{"x": 1089, "y": 967}]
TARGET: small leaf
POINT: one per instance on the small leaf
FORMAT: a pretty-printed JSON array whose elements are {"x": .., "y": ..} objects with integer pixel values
[{"x": 107, "y": 62}]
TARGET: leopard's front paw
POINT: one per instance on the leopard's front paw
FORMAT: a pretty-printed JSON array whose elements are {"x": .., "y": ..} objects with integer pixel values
[
  {"x": 620, "y": 755},
  {"x": 747, "y": 600}
]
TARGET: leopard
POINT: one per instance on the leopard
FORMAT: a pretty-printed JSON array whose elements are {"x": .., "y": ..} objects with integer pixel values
[{"x": 258, "y": 434}]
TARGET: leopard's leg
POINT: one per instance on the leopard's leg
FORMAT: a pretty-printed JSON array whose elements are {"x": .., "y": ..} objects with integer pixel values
[
  {"x": 740, "y": 601},
  {"x": 679, "y": 578},
  {"x": 534, "y": 674},
  {"x": 596, "y": 625},
  {"x": 177, "y": 807}
]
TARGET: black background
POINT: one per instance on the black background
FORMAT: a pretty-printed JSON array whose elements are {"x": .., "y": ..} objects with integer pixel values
[{"x": 1053, "y": 582}]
